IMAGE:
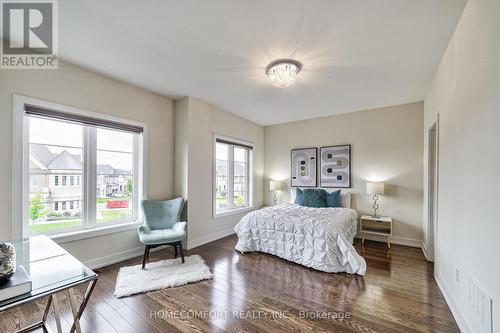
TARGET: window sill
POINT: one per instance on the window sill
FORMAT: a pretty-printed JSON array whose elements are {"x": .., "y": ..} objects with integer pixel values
[
  {"x": 233, "y": 211},
  {"x": 96, "y": 232}
]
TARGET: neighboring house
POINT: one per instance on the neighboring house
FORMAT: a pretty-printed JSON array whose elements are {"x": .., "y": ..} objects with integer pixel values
[
  {"x": 222, "y": 177},
  {"x": 57, "y": 177},
  {"x": 111, "y": 181}
]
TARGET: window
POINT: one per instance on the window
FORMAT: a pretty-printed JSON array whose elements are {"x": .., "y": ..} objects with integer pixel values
[
  {"x": 232, "y": 172},
  {"x": 34, "y": 180},
  {"x": 89, "y": 152}
]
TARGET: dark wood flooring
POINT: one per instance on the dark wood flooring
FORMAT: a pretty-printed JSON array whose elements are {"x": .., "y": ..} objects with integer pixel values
[{"x": 261, "y": 293}]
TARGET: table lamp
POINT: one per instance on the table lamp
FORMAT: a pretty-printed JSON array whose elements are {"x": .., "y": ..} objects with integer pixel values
[
  {"x": 275, "y": 186},
  {"x": 375, "y": 189}
]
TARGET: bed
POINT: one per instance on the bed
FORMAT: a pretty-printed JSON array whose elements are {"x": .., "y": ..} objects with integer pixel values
[{"x": 320, "y": 238}]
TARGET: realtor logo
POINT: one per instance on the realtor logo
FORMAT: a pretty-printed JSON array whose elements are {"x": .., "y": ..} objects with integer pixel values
[{"x": 29, "y": 34}]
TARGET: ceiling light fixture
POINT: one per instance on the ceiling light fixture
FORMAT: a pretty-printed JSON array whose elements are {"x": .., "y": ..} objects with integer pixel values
[{"x": 283, "y": 72}]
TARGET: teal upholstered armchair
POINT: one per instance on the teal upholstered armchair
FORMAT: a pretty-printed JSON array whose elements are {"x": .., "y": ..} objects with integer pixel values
[{"x": 162, "y": 226}]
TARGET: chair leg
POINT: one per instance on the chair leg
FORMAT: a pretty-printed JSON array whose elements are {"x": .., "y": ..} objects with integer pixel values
[
  {"x": 181, "y": 251},
  {"x": 175, "y": 251},
  {"x": 145, "y": 257}
]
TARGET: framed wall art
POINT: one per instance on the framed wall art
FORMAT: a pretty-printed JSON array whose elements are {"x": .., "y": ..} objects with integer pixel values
[
  {"x": 304, "y": 162},
  {"x": 335, "y": 166}
]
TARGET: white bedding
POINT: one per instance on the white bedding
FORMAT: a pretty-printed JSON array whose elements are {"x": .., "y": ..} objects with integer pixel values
[{"x": 320, "y": 238}]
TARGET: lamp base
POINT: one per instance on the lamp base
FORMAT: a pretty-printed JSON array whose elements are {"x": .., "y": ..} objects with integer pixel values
[{"x": 375, "y": 205}]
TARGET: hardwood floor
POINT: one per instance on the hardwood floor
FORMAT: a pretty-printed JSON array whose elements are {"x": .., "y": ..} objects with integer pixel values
[{"x": 256, "y": 292}]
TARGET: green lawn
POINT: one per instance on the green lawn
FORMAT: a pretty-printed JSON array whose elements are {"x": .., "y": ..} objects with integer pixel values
[
  {"x": 46, "y": 227},
  {"x": 107, "y": 216},
  {"x": 238, "y": 200},
  {"x": 102, "y": 200},
  {"x": 111, "y": 215}
]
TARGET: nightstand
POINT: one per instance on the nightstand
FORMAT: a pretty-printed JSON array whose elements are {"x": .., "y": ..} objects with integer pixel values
[{"x": 376, "y": 225}]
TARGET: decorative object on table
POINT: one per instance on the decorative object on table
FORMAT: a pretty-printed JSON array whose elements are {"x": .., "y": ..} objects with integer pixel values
[
  {"x": 335, "y": 166},
  {"x": 275, "y": 186},
  {"x": 161, "y": 274},
  {"x": 162, "y": 226},
  {"x": 376, "y": 225},
  {"x": 304, "y": 167},
  {"x": 7, "y": 262},
  {"x": 18, "y": 284},
  {"x": 375, "y": 189}
]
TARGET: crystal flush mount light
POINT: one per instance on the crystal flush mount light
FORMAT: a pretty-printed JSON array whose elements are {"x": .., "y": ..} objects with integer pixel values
[{"x": 283, "y": 72}]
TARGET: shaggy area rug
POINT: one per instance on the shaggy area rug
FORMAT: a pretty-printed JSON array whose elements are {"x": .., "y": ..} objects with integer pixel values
[{"x": 161, "y": 274}]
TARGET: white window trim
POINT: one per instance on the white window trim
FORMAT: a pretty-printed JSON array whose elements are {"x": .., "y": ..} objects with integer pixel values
[
  {"x": 237, "y": 210},
  {"x": 20, "y": 171}
]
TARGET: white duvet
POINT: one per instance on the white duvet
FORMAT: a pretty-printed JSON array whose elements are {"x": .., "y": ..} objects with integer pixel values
[{"x": 320, "y": 238}]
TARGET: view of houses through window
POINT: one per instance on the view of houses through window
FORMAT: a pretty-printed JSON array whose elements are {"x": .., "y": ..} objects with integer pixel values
[
  {"x": 232, "y": 176},
  {"x": 57, "y": 176}
]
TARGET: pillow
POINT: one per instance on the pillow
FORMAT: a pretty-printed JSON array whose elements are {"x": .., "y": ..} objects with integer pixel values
[
  {"x": 299, "y": 198},
  {"x": 333, "y": 199},
  {"x": 314, "y": 198}
]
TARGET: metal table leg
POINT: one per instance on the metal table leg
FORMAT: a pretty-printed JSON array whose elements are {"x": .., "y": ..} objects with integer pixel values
[
  {"x": 86, "y": 298},
  {"x": 42, "y": 323},
  {"x": 74, "y": 310},
  {"x": 77, "y": 314},
  {"x": 57, "y": 316}
]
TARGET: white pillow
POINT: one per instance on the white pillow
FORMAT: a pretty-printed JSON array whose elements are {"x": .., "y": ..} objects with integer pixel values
[{"x": 345, "y": 197}]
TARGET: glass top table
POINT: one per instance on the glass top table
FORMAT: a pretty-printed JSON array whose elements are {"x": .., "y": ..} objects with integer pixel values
[{"x": 51, "y": 269}]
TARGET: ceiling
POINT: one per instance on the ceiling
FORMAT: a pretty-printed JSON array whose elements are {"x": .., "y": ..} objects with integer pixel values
[{"x": 357, "y": 54}]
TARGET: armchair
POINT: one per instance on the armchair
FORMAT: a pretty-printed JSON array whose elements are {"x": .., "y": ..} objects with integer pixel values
[{"x": 162, "y": 226}]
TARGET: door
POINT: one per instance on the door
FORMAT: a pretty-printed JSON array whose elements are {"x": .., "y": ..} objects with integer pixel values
[{"x": 432, "y": 192}]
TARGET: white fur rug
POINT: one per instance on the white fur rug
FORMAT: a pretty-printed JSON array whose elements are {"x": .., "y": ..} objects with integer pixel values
[{"x": 161, "y": 274}]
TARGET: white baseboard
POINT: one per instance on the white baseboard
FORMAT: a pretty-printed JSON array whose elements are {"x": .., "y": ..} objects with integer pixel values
[
  {"x": 139, "y": 251},
  {"x": 117, "y": 257},
  {"x": 209, "y": 238},
  {"x": 394, "y": 240},
  {"x": 455, "y": 311},
  {"x": 424, "y": 250}
]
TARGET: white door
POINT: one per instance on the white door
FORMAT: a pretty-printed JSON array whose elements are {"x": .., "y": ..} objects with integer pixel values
[{"x": 432, "y": 193}]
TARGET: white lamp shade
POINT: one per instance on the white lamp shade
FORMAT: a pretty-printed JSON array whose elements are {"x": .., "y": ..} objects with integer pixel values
[
  {"x": 274, "y": 185},
  {"x": 375, "y": 188}
]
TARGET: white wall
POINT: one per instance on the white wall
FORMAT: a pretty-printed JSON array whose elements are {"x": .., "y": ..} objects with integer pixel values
[
  {"x": 181, "y": 147},
  {"x": 466, "y": 94},
  {"x": 74, "y": 86},
  {"x": 203, "y": 120},
  {"x": 386, "y": 145}
]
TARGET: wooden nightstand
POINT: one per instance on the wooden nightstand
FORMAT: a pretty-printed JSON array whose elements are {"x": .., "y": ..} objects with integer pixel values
[{"x": 376, "y": 225}]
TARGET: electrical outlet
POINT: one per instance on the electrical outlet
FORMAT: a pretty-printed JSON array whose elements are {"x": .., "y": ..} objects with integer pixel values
[{"x": 457, "y": 275}]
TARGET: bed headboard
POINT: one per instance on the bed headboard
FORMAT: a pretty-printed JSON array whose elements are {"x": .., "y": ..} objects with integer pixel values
[{"x": 345, "y": 197}]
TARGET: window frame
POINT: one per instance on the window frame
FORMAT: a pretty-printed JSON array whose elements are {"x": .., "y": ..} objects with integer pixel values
[
  {"x": 20, "y": 174},
  {"x": 230, "y": 185}
]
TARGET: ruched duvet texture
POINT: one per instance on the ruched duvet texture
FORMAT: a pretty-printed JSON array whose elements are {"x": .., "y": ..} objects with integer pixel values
[{"x": 320, "y": 238}]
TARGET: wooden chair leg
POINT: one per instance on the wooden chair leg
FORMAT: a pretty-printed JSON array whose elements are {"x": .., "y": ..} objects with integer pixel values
[
  {"x": 145, "y": 257},
  {"x": 181, "y": 251},
  {"x": 175, "y": 251}
]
